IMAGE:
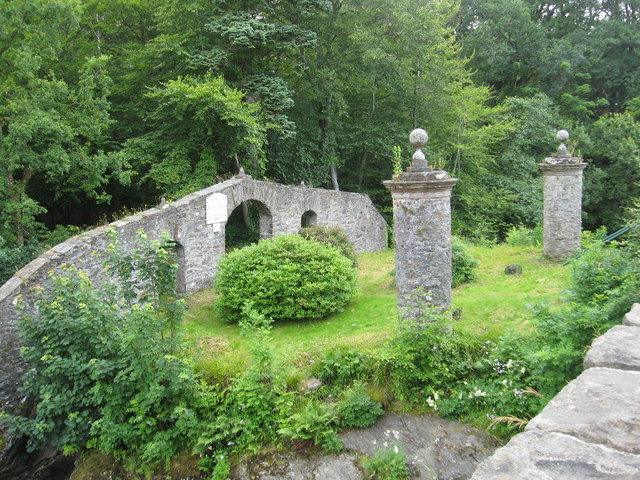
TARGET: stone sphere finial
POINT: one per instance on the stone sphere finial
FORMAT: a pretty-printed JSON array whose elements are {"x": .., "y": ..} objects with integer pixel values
[
  {"x": 419, "y": 139},
  {"x": 563, "y": 136}
]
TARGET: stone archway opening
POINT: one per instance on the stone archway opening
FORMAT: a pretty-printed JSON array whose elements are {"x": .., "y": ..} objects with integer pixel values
[
  {"x": 248, "y": 223},
  {"x": 309, "y": 219},
  {"x": 181, "y": 282}
]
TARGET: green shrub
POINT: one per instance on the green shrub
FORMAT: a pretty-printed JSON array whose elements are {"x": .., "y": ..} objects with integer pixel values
[
  {"x": 605, "y": 275},
  {"x": 341, "y": 367},
  {"x": 421, "y": 361},
  {"x": 314, "y": 421},
  {"x": 357, "y": 409},
  {"x": 463, "y": 264},
  {"x": 387, "y": 465},
  {"x": 13, "y": 258},
  {"x": 287, "y": 277},
  {"x": 524, "y": 237},
  {"x": 604, "y": 284},
  {"x": 500, "y": 385},
  {"x": 256, "y": 403},
  {"x": 105, "y": 372},
  {"x": 335, "y": 236}
]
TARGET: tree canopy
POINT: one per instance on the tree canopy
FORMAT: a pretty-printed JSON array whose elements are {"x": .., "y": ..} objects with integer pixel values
[{"x": 114, "y": 104}]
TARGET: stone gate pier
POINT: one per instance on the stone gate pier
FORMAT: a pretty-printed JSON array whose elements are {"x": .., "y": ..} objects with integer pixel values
[
  {"x": 422, "y": 230},
  {"x": 562, "y": 223}
]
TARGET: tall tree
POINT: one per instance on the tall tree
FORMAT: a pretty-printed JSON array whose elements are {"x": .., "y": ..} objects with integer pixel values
[{"x": 48, "y": 128}]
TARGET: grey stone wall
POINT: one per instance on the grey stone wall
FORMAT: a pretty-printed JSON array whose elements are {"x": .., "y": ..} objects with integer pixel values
[
  {"x": 562, "y": 224},
  {"x": 201, "y": 244},
  {"x": 591, "y": 429},
  {"x": 422, "y": 232}
]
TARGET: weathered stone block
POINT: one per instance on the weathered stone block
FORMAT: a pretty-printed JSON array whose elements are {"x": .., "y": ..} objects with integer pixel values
[
  {"x": 601, "y": 406},
  {"x": 542, "y": 455},
  {"x": 618, "y": 348},
  {"x": 435, "y": 448},
  {"x": 632, "y": 318}
]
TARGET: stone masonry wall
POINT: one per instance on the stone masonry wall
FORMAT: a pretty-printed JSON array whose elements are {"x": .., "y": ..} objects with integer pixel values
[
  {"x": 562, "y": 209},
  {"x": 422, "y": 231},
  {"x": 591, "y": 429},
  {"x": 201, "y": 241}
]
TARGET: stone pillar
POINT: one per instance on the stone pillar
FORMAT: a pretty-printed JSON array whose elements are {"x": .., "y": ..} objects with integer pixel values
[
  {"x": 562, "y": 224},
  {"x": 422, "y": 230}
]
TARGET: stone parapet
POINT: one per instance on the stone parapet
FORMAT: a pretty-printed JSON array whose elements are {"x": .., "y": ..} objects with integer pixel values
[{"x": 591, "y": 429}]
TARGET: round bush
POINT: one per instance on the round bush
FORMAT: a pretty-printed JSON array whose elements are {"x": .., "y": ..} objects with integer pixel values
[
  {"x": 335, "y": 236},
  {"x": 287, "y": 277}
]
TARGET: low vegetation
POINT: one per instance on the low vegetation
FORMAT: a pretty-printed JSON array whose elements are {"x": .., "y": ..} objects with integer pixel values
[{"x": 137, "y": 396}]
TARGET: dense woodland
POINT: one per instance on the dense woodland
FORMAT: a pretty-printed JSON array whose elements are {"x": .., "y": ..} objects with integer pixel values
[{"x": 110, "y": 105}]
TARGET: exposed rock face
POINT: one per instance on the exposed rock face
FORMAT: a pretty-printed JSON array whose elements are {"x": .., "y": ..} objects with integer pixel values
[
  {"x": 48, "y": 464},
  {"x": 435, "y": 448},
  {"x": 295, "y": 467},
  {"x": 590, "y": 429}
]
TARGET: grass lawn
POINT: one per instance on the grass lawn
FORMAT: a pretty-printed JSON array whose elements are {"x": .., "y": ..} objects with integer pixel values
[
  {"x": 492, "y": 304},
  {"x": 495, "y": 303}
]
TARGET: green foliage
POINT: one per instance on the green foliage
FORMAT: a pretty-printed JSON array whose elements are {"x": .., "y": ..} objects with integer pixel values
[
  {"x": 256, "y": 403},
  {"x": 396, "y": 159},
  {"x": 240, "y": 231},
  {"x": 613, "y": 179},
  {"x": 340, "y": 367},
  {"x": 105, "y": 372},
  {"x": 388, "y": 464},
  {"x": 604, "y": 285},
  {"x": 335, "y": 236},
  {"x": 13, "y": 258},
  {"x": 463, "y": 264},
  {"x": 222, "y": 469},
  {"x": 525, "y": 237},
  {"x": 313, "y": 421},
  {"x": 357, "y": 409},
  {"x": 197, "y": 123},
  {"x": 500, "y": 385},
  {"x": 287, "y": 277},
  {"x": 419, "y": 362}
]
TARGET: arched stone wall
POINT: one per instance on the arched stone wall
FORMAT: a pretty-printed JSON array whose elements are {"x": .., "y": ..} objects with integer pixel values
[
  {"x": 196, "y": 223},
  {"x": 309, "y": 219}
]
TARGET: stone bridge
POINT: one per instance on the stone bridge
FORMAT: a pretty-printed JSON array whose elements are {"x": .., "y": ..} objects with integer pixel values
[{"x": 197, "y": 225}]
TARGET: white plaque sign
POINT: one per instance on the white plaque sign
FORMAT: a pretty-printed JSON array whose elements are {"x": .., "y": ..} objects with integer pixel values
[{"x": 216, "y": 208}]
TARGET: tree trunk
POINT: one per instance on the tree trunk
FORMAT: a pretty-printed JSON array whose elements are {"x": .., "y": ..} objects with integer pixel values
[{"x": 334, "y": 177}]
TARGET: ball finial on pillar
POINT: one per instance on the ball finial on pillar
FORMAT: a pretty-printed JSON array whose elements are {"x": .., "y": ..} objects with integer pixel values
[
  {"x": 563, "y": 136},
  {"x": 419, "y": 139}
]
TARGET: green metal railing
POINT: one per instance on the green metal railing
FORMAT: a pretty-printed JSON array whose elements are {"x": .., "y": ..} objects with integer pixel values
[{"x": 606, "y": 239}]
